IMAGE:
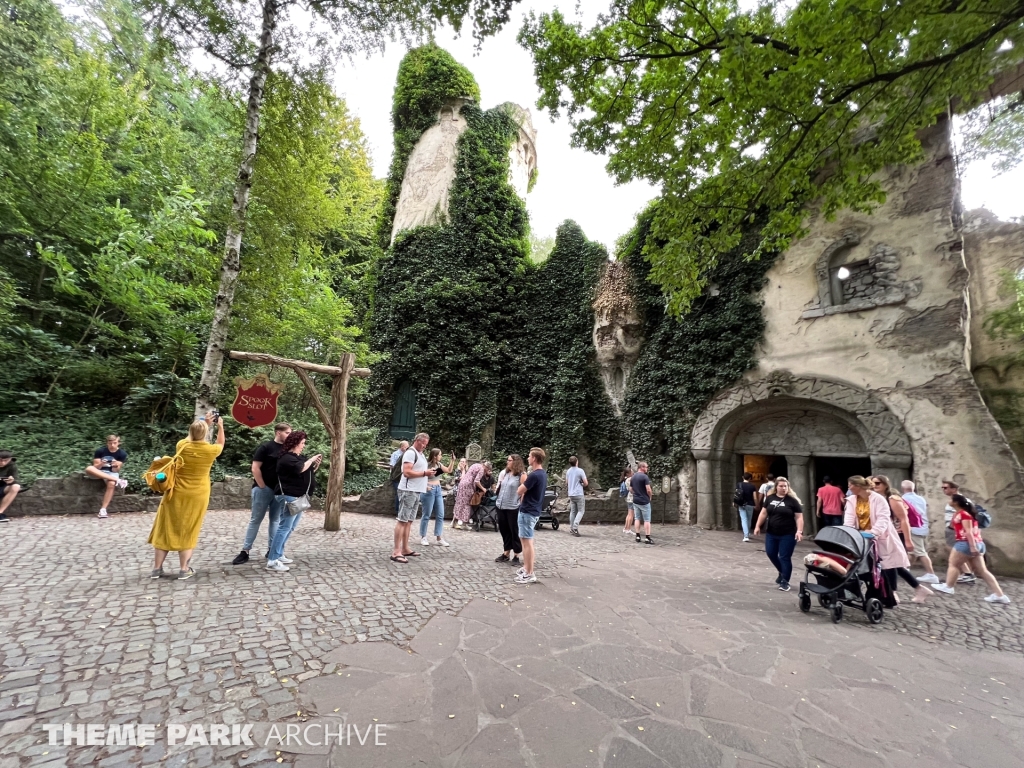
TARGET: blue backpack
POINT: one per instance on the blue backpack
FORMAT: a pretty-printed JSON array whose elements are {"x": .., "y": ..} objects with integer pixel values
[
  {"x": 982, "y": 517},
  {"x": 623, "y": 490}
]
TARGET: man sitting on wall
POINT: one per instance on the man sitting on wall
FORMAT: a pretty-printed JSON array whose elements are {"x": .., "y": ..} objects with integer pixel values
[
  {"x": 106, "y": 466},
  {"x": 8, "y": 483}
]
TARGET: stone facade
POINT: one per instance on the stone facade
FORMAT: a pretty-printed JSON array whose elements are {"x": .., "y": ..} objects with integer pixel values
[
  {"x": 878, "y": 367},
  {"x": 77, "y": 494},
  {"x": 617, "y": 335},
  {"x": 994, "y": 254}
]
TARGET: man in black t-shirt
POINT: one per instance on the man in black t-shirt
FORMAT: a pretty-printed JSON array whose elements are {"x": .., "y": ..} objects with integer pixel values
[
  {"x": 640, "y": 484},
  {"x": 266, "y": 496},
  {"x": 746, "y": 490},
  {"x": 107, "y": 461},
  {"x": 531, "y": 494}
]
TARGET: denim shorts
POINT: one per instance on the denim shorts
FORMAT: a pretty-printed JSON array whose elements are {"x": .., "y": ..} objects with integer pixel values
[
  {"x": 526, "y": 525},
  {"x": 965, "y": 549},
  {"x": 642, "y": 512}
]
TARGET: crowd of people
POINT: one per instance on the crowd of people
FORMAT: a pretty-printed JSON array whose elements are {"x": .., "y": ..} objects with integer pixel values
[
  {"x": 284, "y": 480},
  {"x": 897, "y": 522}
]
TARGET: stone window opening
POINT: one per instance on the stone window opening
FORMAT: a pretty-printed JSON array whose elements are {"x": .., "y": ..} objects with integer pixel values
[{"x": 850, "y": 280}]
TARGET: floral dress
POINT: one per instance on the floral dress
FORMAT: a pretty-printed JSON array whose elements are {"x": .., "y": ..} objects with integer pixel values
[{"x": 467, "y": 487}]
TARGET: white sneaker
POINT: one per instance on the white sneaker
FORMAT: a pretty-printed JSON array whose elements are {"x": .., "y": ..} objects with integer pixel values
[
  {"x": 994, "y": 598},
  {"x": 276, "y": 565},
  {"x": 928, "y": 578},
  {"x": 103, "y": 513},
  {"x": 443, "y": 543},
  {"x": 746, "y": 539},
  {"x": 526, "y": 578},
  {"x": 285, "y": 560},
  {"x": 424, "y": 542},
  {"x": 943, "y": 589}
]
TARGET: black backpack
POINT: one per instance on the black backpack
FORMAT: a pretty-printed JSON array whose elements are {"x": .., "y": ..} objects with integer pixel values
[
  {"x": 396, "y": 471},
  {"x": 737, "y": 496}
]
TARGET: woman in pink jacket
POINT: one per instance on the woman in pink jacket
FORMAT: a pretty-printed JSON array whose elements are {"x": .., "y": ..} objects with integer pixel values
[{"x": 869, "y": 511}]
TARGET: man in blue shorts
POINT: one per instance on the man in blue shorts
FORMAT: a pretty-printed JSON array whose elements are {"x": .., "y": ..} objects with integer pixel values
[
  {"x": 531, "y": 494},
  {"x": 641, "y": 485}
]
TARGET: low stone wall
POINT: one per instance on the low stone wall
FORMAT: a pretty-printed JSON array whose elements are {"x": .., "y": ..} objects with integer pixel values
[{"x": 80, "y": 495}]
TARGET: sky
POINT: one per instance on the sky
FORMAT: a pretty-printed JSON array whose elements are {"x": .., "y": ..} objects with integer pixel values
[{"x": 572, "y": 183}]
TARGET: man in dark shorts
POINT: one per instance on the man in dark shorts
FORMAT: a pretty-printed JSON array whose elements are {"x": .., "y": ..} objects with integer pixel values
[
  {"x": 266, "y": 496},
  {"x": 8, "y": 483},
  {"x": 107, "y": 461},
  {"x": 531, "y": 493}
]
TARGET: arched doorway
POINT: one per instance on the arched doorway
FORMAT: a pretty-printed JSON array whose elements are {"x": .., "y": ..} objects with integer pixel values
[
  {"x": 810, "y": 425},
  {"x": 403, "y": 418}
]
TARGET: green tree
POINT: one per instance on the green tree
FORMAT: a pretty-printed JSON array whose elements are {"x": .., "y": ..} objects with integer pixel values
[
  {"x": 739, "y": 114},
  {"x": 250, "y": 38}
]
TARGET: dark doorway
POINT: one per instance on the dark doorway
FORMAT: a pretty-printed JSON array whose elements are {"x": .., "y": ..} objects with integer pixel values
[
  {"x": 403, "y": 420},
  {"x": 839, "y": 468}
]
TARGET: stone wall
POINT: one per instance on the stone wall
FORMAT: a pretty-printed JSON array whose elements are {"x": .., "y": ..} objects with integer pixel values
[
  {"x": 994, "y": 252},
  {"x": 77, "y": 494},
  {"x": 911, "y": 352}
]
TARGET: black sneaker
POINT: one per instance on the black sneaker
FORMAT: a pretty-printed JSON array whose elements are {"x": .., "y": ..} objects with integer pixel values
[
  {"x": 241, "y": 557},
  {"x": 778, "y": 579},
  {"x": 503, "y": 558},
  {"x": 638, "y": 538},
  {"x": 4, "y": 518},
  {"x": 784, "y": 586},
  {"x": 649, "y": 540},
  {"x": 514, "y": 561}
]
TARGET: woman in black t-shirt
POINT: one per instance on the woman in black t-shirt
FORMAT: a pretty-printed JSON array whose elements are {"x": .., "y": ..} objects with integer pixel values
[
  {"x": 785, "y": 516},
  {"x": 295, "y": 478}
]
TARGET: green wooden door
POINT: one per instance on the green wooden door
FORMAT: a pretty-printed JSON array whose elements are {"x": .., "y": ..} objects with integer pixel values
[{"x": 403, "y": 420}]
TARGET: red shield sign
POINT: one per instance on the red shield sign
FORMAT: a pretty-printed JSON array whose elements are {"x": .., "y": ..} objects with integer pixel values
[{"x": 256, "y": 401}]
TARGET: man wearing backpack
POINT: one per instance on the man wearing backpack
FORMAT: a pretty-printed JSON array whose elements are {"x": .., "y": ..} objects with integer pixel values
[
  {"x": 917, "y": 515},
  {"x": 743, "y": 498},
  {"x": 396, "y": 468}
]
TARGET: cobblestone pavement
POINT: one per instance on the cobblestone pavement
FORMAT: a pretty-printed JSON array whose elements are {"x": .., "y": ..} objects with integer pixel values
[{"x": 87, "y": 637}]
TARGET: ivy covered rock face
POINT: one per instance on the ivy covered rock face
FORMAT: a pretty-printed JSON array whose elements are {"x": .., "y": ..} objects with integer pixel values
[{"x": 496, "y": 348}]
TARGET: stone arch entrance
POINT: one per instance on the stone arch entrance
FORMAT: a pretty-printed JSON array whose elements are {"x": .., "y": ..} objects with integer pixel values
[{"x": 800, "y": 418}]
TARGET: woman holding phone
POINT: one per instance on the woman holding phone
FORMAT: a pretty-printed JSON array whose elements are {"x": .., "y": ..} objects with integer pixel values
[{"x": 295, "y": 478}]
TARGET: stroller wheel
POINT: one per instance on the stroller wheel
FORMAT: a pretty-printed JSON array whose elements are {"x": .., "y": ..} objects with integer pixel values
[
  {"x": 805, "y": 602},
  {"x": 554, "y": 523},
  {"x": 825, "y": 601},
  {"x": 874, "y": 610},
  {"x": 837, "y": 613}
]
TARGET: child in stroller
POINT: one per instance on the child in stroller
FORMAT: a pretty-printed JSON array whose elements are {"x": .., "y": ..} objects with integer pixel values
[
  {"x": 846, "y": 572},
  {"x": 486, "y": 513}
]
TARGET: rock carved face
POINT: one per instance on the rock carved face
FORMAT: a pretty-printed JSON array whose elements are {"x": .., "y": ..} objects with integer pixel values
[{"x": 618, "y": 332}]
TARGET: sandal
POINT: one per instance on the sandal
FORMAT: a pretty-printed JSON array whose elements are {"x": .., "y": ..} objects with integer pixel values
[
  {"x": 398, "y": 559},
  {"x": 410, "y": 554}
]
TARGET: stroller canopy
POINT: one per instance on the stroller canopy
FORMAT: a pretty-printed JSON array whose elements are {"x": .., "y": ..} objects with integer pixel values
[{"x": 842, "y": 538}]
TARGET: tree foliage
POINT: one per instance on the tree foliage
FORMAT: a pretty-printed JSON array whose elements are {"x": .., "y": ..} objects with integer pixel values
[{"x": 738, "y": 115}]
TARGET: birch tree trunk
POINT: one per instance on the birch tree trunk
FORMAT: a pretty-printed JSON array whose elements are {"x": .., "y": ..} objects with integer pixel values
[{"x": 231, "y": 263}]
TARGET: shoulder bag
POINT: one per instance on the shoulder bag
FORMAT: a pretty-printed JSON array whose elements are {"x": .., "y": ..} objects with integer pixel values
[{"x": 302, "y": 503}]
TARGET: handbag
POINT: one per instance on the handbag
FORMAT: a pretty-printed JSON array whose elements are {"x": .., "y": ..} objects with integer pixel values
[{"x": 302, "y": 503}]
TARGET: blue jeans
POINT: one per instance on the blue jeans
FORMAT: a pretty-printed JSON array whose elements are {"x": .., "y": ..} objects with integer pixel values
[
  {"x": 433, "y": 504},
  {"x": 394, "y": 485},
  {"x": 263, "y": 501},
  {"x": 780, "y": 551},
  {"x": 284, "y": 530},
  {"x": 745, "y": 512}
]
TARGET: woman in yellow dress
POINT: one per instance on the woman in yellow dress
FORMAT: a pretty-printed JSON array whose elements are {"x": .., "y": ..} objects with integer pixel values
[{"x": 182, "y": 509}]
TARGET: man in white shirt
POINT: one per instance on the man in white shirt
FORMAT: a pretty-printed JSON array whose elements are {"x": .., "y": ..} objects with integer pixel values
[
  {"x": 410, "y": 486},
  {"x": 395, "y": 457},
  {"x": 575, "y": 482},
  {"x": 762, "y": 493},
  {"x": 919, "y": 535}
]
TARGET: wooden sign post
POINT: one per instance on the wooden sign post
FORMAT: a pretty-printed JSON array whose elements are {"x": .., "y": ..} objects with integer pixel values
[{"x": 334, "y": 422}]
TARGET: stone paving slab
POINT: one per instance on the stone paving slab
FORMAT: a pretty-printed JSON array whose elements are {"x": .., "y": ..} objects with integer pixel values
[{"x": 85, "y": 637}]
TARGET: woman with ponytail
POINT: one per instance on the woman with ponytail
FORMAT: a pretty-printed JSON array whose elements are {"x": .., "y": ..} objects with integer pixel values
[{"x": 968, "y": 548}]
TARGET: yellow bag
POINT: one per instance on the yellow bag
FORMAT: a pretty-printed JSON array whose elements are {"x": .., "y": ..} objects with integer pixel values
[{"x": 166, "y": 466}]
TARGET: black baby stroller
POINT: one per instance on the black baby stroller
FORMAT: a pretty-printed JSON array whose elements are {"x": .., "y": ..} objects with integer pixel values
[
  {"x": 856, "y": 588},
  {"x": 486, "y": 513},
  {"x": 547, "y": 514}
]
